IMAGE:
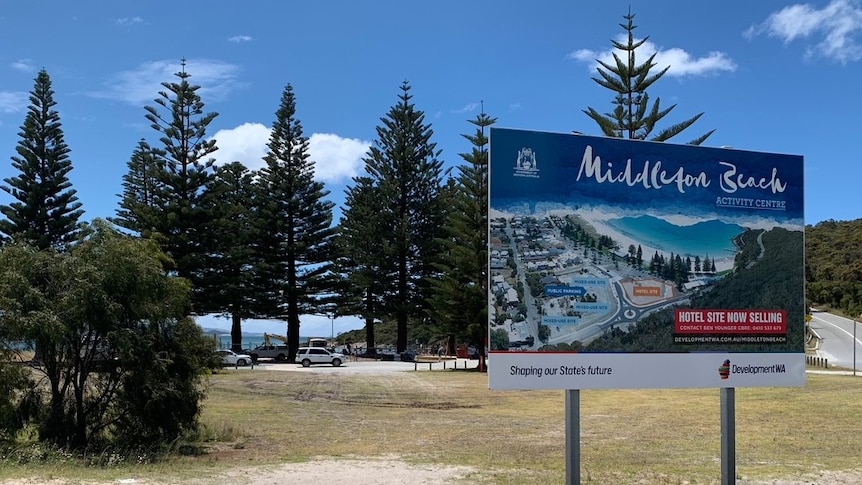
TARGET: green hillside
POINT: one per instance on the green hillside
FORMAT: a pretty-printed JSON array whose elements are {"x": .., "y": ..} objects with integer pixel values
[{"x": 833, "y": 266}]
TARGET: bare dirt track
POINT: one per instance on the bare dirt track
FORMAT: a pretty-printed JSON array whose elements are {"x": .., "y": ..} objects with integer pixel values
[
  {"x": 824, "y": 478},
  {"x": 383, "y": 471}
]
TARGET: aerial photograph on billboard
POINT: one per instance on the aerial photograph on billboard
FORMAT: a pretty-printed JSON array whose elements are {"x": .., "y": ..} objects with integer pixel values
[{"x": 628, "y": 264}]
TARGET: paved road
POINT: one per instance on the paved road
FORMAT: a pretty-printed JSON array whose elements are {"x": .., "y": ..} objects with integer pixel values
[{"x": 836, "y": 339}]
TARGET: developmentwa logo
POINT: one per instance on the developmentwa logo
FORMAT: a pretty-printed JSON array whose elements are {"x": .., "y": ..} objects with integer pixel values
[{"x": 724, "y": 369}]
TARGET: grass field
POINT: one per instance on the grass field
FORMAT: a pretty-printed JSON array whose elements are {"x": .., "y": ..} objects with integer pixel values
[{"x": 514, "y": 437}]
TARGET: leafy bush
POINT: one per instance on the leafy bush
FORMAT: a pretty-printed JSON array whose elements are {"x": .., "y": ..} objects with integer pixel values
[{"x": 122, "y": 366}]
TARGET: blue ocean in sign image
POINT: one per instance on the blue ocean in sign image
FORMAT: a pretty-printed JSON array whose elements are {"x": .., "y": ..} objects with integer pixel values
[{"x": 713, "y": 238}]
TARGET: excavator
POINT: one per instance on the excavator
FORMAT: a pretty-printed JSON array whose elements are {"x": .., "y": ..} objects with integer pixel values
[
  {"x": 312, "y": 341},
  {"x": 269, "y": 337}
]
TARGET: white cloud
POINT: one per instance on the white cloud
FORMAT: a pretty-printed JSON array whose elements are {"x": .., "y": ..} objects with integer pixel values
[
  {"x": 23, "y": 65},
  {"x": 130, "y": 20},
  {"x": 240, "y": 38},
  {"x": 515, "y": 107},
  {"x": 336, "y": 158},
  {"x": 141, "y": 85},
  {"x": 468, "y": 108},
  {"x": 834, "y": 29},
  {"x": 681, "y": 62},
  {"x": 13, "y": 101},
  {"x": 246, "y": 143}
]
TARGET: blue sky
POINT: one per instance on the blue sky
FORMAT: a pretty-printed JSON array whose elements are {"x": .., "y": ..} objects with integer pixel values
[{"x": 770, "y": 76}]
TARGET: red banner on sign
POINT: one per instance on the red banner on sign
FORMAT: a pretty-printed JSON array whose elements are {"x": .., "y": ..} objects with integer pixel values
[{"x": 697, "y": 321}]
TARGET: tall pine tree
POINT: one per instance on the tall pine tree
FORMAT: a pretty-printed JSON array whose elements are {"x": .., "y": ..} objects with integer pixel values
[
  {"x": 226, "y": 285},
  {"x": 140, "y": 202},
  {"x": 46, "y": 210},
  {"x": 364, "y": 255},
  {"x": 460, "y": 298},
  {"x": 295, "y": 234},
  {"x": 632, "y": 116},
  {"x": 404, "y": 166},
  {"x": 185, "y": 170}
]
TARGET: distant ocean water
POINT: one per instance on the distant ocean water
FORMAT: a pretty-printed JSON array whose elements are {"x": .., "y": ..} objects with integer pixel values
[
  {"x": 222, "y": 341},
  {"x": 250, "y": 342},
  {"x": 713, "y": 238}
]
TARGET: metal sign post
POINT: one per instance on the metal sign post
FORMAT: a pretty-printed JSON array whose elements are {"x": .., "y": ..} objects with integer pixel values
[
  {"x": 728, "y": 436},
  {"x": 573, "y": 437},
  {"x": 854, "y": 345}
]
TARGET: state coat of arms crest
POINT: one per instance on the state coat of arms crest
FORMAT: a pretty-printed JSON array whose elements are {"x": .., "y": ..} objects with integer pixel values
[{"x": 525, "y": 164}]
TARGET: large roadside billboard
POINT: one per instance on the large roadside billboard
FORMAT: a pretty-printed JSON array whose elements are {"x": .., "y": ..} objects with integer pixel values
[{"x": 628, "y": 264}]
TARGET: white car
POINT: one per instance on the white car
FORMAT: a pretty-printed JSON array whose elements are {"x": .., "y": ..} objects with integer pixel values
[
  {"x": 318, "y": 355},
  {"x": 229, "y": 357}
]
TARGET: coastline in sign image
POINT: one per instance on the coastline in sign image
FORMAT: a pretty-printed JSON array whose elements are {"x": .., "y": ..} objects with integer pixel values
[{"x": 712, "y": 237}]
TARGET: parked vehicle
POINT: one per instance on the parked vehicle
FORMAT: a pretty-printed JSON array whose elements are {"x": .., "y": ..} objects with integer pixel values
[
  {"x": 229, "y": 357},
  {"x": 317, "y": 355},
  {"x": 276, "y": 352},
  {"x": 316, "y": 342}
]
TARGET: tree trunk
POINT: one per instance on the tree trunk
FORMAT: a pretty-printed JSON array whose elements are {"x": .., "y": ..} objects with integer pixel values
[
  {"x": 54, "y": 429},
  {"x": 401, "y": 311},
  {"x": 79, "y": 438},
  {"x": 236, "y": 332},
  {"x": 369, "y": 320}
]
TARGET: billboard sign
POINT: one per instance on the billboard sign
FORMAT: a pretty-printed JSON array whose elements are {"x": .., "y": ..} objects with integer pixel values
[{"x": 643, "y": 265}]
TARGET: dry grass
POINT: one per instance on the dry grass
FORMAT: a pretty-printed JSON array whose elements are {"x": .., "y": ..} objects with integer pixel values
[
  {"x": 663, "y": 436},
  {"x": 518, "y": 437}
]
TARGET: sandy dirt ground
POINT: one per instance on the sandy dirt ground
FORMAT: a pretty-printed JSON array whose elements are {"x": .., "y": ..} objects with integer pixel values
[
  {"x": 823, "y": 478},
  {"x": 383, "y": 471}
]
